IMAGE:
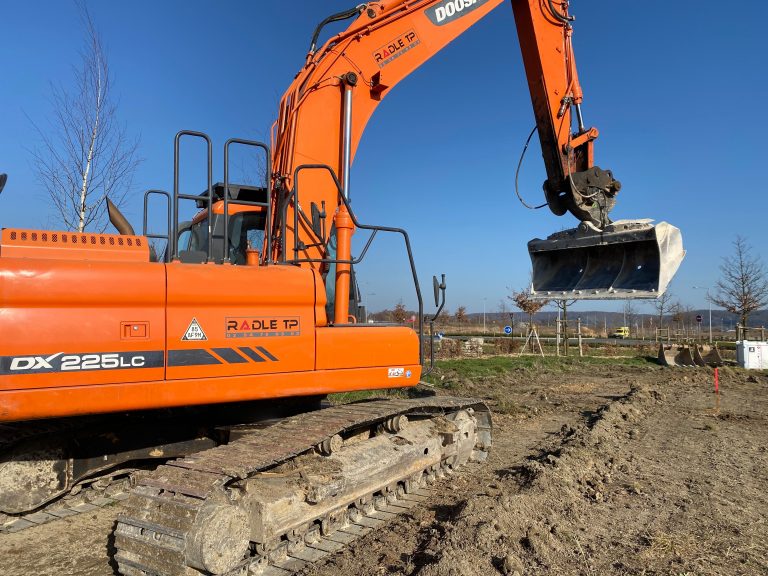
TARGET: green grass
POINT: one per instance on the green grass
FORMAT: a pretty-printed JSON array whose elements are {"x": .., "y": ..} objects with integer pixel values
[
  {"x": 448, "y": 372},
  {"x": 473, "y": 368}
]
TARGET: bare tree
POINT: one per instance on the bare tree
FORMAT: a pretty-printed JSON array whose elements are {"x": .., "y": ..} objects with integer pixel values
[
  {"x": 743, "y": 285},
  {"x": 461, "y": 314},
  {"x": 663, "y": 304},
  {"x": 400, "y": 314},
  {"x": 526, "y": 304},
  {"x": 629, "y": 315},
  {"x": 85, "y": 156},
  {"x": 678, "y": 313}
]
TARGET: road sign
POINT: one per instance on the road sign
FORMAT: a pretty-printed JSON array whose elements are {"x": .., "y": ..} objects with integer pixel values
[
  {"x": 507, "y": 329},
  {"x": 698, "y": 318}
]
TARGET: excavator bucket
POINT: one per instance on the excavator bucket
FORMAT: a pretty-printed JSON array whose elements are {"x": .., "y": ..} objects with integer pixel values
[
  {"x": 628, "y": 259},
  {"x": 698, "y": 358},
  {"x": 676, "y": 355},
  {"x": 666, "y": 355},
  {"x": 710, "y": 355}
]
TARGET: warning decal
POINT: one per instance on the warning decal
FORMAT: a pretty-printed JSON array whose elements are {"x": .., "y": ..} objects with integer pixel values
[{"x": 194, "y": 332}]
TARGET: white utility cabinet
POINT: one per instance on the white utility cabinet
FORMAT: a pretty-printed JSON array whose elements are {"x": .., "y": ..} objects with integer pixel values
[{"x": 752, "y": 354}]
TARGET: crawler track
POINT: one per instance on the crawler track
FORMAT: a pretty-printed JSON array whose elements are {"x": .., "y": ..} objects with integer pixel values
[
  {"x": 59, "y": 468},
  {"x": 183, "y": 518},
  {"x": 11, "y": 435}
]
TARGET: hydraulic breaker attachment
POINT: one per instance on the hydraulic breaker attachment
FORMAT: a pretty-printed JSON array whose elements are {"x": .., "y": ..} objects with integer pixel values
[{"x": 627, "y": 259}]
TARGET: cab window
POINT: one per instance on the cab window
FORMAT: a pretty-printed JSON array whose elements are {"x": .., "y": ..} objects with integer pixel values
[{"x": 246, "y": 230}]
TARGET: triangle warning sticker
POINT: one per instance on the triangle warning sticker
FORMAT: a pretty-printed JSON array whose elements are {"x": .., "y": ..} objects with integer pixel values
[{"x": 194, "y": 332}]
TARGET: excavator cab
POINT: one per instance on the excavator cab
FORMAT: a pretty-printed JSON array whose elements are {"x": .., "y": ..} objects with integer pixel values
[
  {"x": 627, "y": 259},
  {"x": 245, "y": 227}
]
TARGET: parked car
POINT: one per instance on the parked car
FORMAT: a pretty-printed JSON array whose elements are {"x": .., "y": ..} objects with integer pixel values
[{"x": 622, "y": 332}]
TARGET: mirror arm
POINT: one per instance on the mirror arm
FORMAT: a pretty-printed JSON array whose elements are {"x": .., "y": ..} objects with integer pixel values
[{"x": 441, "y": 287}]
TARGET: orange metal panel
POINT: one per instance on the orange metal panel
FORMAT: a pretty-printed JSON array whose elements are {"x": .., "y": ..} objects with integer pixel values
[
  {"x": 366, "y": 345},
  {"x": 62, "y": 322},
  {"x": 17, "y": 243},
  {"x": 251, "y": 320},
  {"x": 82, "y": 400}
]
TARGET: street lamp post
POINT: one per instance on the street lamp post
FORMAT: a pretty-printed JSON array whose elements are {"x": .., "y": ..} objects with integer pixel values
[
  {"x": 368, "y": 305},
  {"x": 709, "y": 301},
  {"x": 484, "y": 299}
]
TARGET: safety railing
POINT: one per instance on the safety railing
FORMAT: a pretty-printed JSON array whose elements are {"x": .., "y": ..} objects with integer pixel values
[
  {"x": 298, "y": 246},
  {"x": 267, "y": 204},
  {"x": 208, "y": 199},
  {"x": 166, "y": 237}
]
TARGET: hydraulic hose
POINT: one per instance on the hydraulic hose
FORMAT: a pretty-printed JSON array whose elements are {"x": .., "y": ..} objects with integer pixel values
[
  {"x": 344, "y": 15},
  {"x": 557, "y": 15}
]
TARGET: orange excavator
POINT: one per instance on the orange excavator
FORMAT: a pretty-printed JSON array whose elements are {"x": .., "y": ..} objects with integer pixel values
[{"x": 215, "y": 357}]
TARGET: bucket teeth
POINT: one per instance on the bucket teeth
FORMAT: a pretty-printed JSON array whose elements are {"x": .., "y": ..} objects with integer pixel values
[{"x": 628, "y": 259}]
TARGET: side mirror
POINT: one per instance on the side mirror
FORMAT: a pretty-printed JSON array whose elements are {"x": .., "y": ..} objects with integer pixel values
[
  {"x": 438, "y": 287},
  {"x": 3, "y": 180}
]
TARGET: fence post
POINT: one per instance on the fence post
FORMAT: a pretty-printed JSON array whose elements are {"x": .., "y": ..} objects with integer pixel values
[{"x": 578, "y": 328}]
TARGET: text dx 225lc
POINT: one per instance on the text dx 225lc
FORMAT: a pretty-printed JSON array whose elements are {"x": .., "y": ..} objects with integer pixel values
[{"x": 215, "y": 357}]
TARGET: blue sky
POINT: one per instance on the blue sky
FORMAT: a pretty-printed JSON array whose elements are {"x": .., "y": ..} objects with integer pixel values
[{"x": 674, "y": 88}]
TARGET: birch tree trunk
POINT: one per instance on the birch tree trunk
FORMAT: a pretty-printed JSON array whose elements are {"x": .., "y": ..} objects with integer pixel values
[{"x": 85, "y": 154}]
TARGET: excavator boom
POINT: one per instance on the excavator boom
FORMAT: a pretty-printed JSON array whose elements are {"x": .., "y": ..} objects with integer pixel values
[{"x": 324, "y": 113}]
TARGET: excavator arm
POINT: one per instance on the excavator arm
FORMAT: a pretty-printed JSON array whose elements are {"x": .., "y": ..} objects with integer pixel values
[
  {"x": 574, "y": 183},
  {"x": 324, "y": 112}
]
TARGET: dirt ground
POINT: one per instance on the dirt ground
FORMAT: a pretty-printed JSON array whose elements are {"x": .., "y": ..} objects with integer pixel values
[{"x": 608, "y": 469}]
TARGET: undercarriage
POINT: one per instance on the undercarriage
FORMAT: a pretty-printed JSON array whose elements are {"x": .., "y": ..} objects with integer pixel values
[
  {"x": 276, "y": 498},
  {"x": 59, "y": 467},
  {"x": 297, "y": 482}
]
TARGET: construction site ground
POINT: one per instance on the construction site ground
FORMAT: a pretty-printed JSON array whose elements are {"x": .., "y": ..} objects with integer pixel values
[{"x": 599, "y": 466}]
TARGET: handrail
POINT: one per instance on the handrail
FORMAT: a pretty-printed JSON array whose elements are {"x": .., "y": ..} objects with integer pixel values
[
  {"x": 177, "y": 196},
  {"x": 227, "y": 201},
  {"x": 374, "y": 229},
  {"x": 166, "y": 237}
]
